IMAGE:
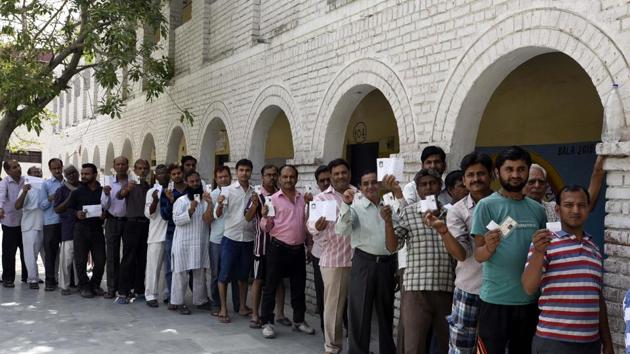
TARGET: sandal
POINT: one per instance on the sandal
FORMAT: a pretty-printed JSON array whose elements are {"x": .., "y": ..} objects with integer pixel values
[
  {"x": 224, "y": 319},
  {"x": 183, "y": 310},
  {"x": 246, "y": 313},
  {"x": 255, "y": 324}
]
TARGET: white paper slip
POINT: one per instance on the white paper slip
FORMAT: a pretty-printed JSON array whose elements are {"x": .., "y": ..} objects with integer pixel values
[
  {"x": 208, "y": 188},
  {"x": 308, "y": 189},
  {"x": 34, "y": 182},
  {"x": 271, "y": 211},
  {"x": 324, "y": 208},
  {"x": 390, "y": 201},
  {"x": 554, "y": 226},
  {"x": 92, "y": 211},
  {"x": 428, "y": 203},
  {"x": 492, "y": 225},
  {"x": 507, "y": 226},
  {"x": 258, "y": 188},
  {"x": 357, "y": 196},
  {"x": 448, "y": 206},
  {"x": 390, "y": 166},
  {"x": 197, "y": 198}
]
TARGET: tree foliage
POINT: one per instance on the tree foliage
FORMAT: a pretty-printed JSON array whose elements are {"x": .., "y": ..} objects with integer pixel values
[{"x": 44, "y": 44}]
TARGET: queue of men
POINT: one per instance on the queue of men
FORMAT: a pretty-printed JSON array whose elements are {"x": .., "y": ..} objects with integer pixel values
[{"x": 485, "y": 271}]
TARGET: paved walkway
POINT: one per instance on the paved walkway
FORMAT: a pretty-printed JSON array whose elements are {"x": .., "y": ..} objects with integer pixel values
[{"x": 34, "y": 321}]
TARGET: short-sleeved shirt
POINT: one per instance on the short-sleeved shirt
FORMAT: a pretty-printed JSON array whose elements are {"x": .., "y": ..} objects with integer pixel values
[
  {"x": 236, "y": 227},
  {"x": 571, "y": 286},
  {"x": 429, "y": 266},
  {"x": 501, "y": 283},
  {"x": 458, "y": 220},
  {"x": 85, "y": 196},
  {"x": 364, "y": 225},
  {"x": 288, "y": 223}
]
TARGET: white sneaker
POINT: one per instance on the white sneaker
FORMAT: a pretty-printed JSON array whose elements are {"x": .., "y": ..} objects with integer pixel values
[
  {"x": 303, "y": 327},
  {"x": 268, "y": 331}
]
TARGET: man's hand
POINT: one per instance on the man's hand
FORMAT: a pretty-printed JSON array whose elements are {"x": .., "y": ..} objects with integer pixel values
[
  {"x": 308, "y": 197},
  {"x": 265, "y": 211},
  {"x": 1, "y": 213},
  {"x": 541, "y": 240},
  {"x": 392, "y": 185},
  {"x": 155, "y": 195},
  {"x": 169, "y": 195},
  {"x": 348, "y": 196},
  {"x": 51, "y": 198},
  {"x": 436, "y": 223},
  {"x": 221, "y": 199},
  {"x": 386, "y": 214},
  {"x": 206, "y": 196},
  {"x": 130, "y": 186},
  {"x": 26, "y": 188},
  {"x": 321, "y": 224},
  {"x": 81, "y": 215},
  {"x": 492, "y": 238},
  {"x": 107, "y": 190},
  {"x": 255, "y": 199}
]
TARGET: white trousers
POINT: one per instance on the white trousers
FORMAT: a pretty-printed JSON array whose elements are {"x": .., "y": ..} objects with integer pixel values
[
  {"x": 180, "y": 284},
  {"x": 66, "y": 264},
  {"x": 155, "y": 260},
  {"x": 33, "y": 242}
]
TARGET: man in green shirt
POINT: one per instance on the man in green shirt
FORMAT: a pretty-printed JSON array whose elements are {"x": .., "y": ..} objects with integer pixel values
[{"x": 503, "y": 225}]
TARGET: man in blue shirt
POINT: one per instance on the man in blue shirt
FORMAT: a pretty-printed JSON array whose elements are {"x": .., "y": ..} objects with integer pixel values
[{"x": 52, "y": 223}]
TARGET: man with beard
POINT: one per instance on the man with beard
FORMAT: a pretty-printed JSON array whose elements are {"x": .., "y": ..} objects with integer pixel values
[
  {"x": 428, "y": 278},
  {"x": 173, "y": 191},
  {"x": 157, "y": 235},
  {"x": 455, "y": 233},
  {"x": 88, "y": 231},
  {"x": 507, "y": 314},
  {"x": 52, "y": 221},
  {"x": 336, "y": 258},
  {"x": 134, "y": 259},
  {"x": 67, "y": 218},
  {"x": 116, "y": 212},
  {"x": 192, "y": 213}
]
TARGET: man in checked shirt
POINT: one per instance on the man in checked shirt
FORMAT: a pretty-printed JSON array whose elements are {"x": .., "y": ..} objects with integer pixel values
[{"x": 429, "y": 276}]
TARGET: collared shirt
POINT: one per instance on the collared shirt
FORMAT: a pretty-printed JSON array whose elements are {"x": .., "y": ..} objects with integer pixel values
[
  {"x": 218, "y": 224},
  {"x": 571, "y": 287},
  {"x": 67, "y": 218},
  {"x": 336, "y": 249},
  {"x": 410, "y": 193},
  {"x": 111, "y": 204},
  {"x": 85, "y": 196},
  {"x": 32, "y": 215},
  {"x": 9, "y": 190},
  {"x": 458, "y": 220},
  {"x": 236, "y": 227},
  {"x": 365, "y": 226},
  {"x": 288, "y": 223},
  {"x": 136, "y": 200},
  {"x": 261, "y": 237},
  {"x": 157, "y": 225},
  {"x": 550, "y": 210},
  {"x": 49, "y": 187},
  {"x": 317, "y": 249},
  {"x": 429, "y": 266},
  {"x": 166, "y": 211}
]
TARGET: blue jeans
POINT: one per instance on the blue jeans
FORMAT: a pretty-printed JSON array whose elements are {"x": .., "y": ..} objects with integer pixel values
[
  {"x": 168, "y": 269},
  {"x": 214, "y": 249}
]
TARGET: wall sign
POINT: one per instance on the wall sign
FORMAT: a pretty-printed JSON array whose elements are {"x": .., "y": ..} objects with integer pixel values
[{"x": 359, "y": 132}]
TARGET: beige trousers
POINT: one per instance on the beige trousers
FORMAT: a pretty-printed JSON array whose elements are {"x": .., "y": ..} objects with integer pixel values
[{"x": 335, "y": 296}]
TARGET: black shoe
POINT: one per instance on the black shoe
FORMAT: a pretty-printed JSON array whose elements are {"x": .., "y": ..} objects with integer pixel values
[
  {"x": 40, "y": 281},
  {"x": 33, "y": 286},
  {"x": 87, "y": 293},
  {"x": 205, "y": 306},
  {"x": 66, "y": 292},
  {"x": 50, "y": 287},
  {"x": 153, "y": 303},
  {"x": 98, "y": 291},
  {"x": 108, "y": 295},
  {"x": 167, "y": 300},
  {"x": 8, "y": 285}
]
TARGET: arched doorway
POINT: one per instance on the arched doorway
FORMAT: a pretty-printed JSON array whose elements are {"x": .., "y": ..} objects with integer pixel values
[
  {"x": 109, "y": 159},
  {"x": 363, "y": 130},
  {"x": 215, "y": 149},
  {"x": 147, "y": 151},
  {"x": 272, "y": 141},
  {"x": 96, "y": 159},
  {"x": 177, "y": 146},
  {"x": 127, "y": 151},
  {"x": 84, "y": 156}
]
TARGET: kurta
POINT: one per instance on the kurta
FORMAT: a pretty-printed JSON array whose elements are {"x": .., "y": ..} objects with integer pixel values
[{"x": 190, "y": 240}]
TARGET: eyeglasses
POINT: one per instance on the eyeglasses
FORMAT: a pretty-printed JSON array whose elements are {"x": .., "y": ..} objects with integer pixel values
[{"x": 533, "y": 181}]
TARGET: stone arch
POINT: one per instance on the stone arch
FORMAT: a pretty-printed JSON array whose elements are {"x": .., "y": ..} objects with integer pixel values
[
  {"x": 269, "y": 102},
  {"x": 347, "y": 89},
  {"x": 127, "y": 151},
  {"x": 84, "y": 156},
  {"x": 109, "y": 159},
  {"x": 174, "y": 138},
  {"x": 505, "y": 46},
  {"x": 148, "y": 146},
  {"x": 215, "y": 119},
  {"x": 96, "y": 158}
]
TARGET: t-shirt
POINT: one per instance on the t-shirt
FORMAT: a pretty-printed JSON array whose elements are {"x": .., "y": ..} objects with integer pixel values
[{"x": 501, "y": 282}]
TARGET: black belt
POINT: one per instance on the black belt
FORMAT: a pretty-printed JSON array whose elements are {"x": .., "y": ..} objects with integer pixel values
[
  {"x": 286, "y": 245},
  {"x": 138, "y": 219},
  {"x": 374, "y": 258}
]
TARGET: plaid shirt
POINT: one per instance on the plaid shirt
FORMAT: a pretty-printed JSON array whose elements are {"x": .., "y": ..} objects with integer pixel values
[{"x": 429, "y": 266}]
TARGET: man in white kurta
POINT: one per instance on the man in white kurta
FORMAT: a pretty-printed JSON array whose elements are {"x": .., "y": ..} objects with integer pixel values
[
  {"x": 157, "y": 236},
  {"x": 192, "y": 213},
  {"x": 32, "y": 224}
]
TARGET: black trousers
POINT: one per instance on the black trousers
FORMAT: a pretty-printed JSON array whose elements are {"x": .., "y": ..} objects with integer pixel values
[
  {"x": 11, "y": 241},
  {"x": 89, "y": 239},
  {"x": 507, "y": 326},
  {"x": 52, "y": 239},
  {"x": 319, "y": 290},
  {"x": 372, "y": 284},
  {"x": 284, "y": 261},
  {"x": 134, "y": 259},
  {"x": 114, "y": 229}
]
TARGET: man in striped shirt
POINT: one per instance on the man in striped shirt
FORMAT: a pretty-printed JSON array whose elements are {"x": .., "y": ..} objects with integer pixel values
[
  {"x": 336, "y": 257},
  {"x": 567, "y": 266}
]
